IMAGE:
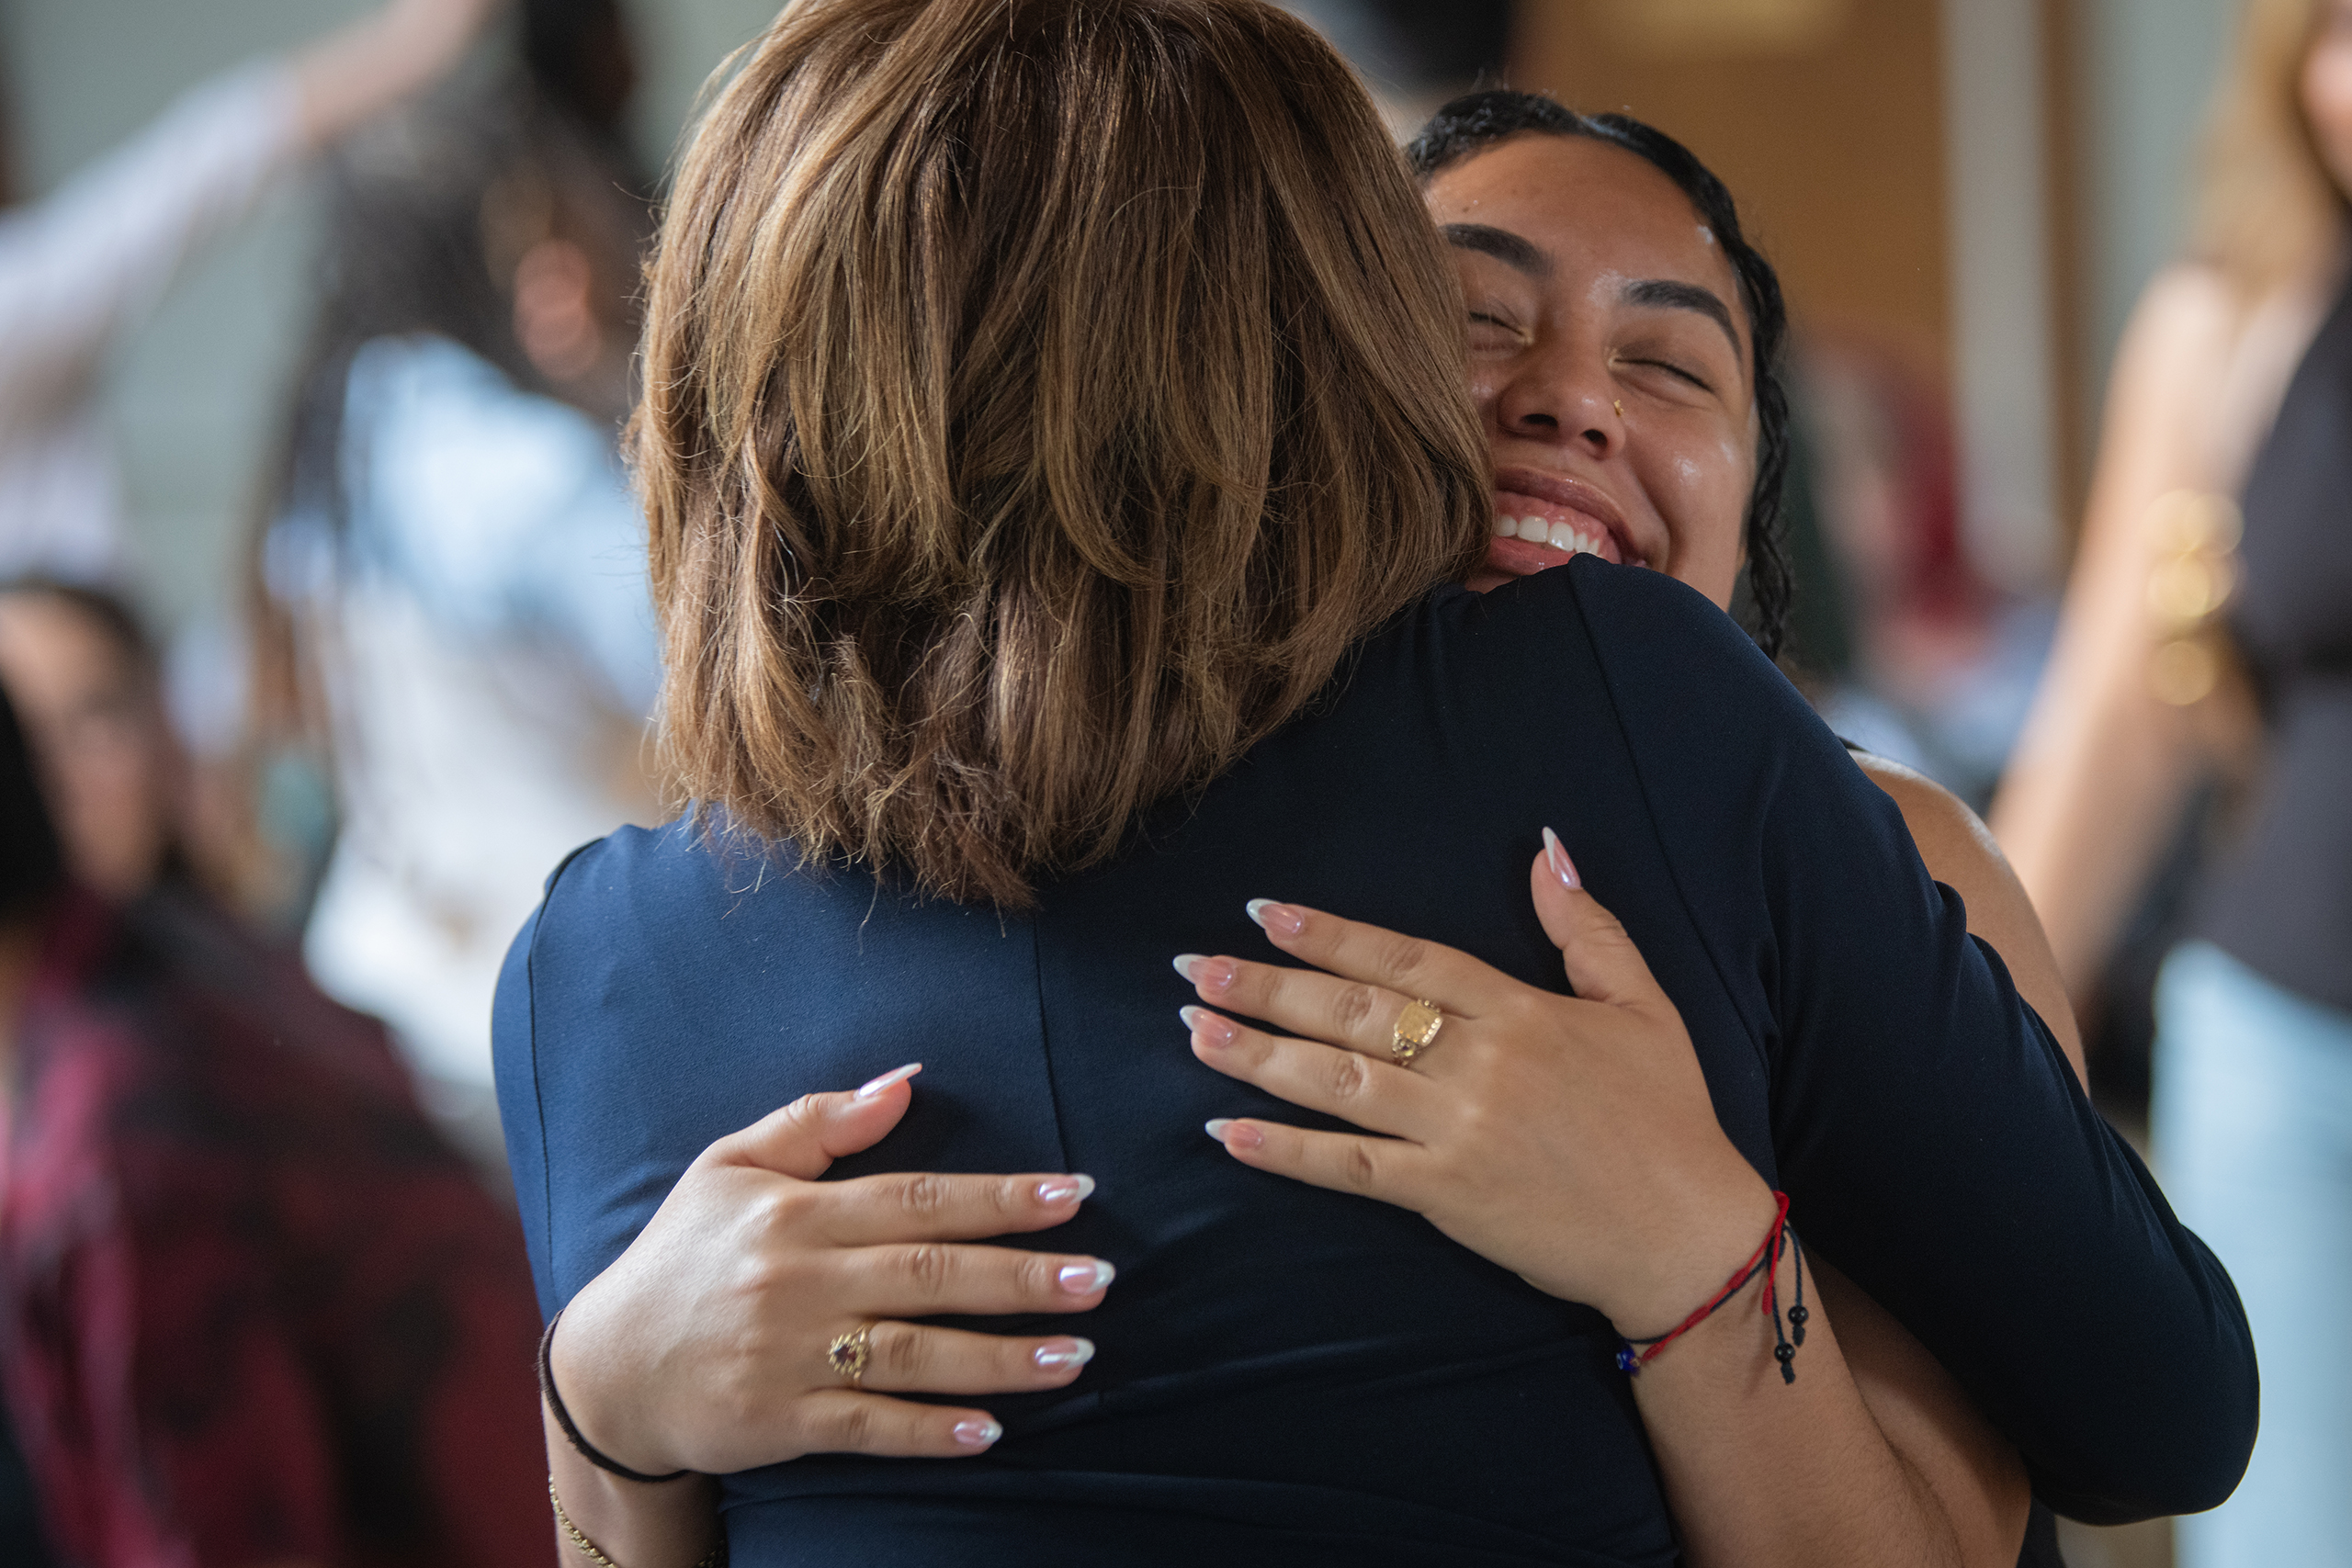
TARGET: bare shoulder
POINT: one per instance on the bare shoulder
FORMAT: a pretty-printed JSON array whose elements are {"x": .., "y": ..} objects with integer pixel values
[{"x": 1959, "y": 852}]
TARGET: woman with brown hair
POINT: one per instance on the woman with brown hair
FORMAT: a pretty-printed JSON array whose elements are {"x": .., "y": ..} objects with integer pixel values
[
  {"x": 1055, "y": 451},
  {"x": 2182, "y": 654}
]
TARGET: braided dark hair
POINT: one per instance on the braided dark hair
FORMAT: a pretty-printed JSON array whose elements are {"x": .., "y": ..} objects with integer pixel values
[{"x": 1478, "y": 120}]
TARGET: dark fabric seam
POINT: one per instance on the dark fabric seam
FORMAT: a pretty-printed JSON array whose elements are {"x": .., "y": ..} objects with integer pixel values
[{"x": 1649, "y": 809}]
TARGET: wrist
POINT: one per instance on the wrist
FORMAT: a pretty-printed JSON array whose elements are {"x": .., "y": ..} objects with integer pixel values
[
  {"x": 599, "y": 1422},
  {"x": 1701, "y": 1244}
]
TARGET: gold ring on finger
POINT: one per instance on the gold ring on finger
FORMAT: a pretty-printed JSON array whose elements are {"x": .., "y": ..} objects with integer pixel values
[
  {"x": 849, "y": 1353},
  {"x": 1416, "y": 1032}
]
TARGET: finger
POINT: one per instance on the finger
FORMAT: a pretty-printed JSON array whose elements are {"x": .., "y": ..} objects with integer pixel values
[
  {"x": 927, "y": 1206},
  {"x": 805, "y": 1137},
  {"x": 1303, "y": 1002},
  {"x": 1601, "y": 961},
  {"x": 1345, "y": 1084},
  {"x": 846, "y": 1422},
  {"x": 1386, "y": 1169},
  {"x": 909, "y": 1358},
  {"x": 927, "y": 1279},
  {"x": 1375, "y": 955}
]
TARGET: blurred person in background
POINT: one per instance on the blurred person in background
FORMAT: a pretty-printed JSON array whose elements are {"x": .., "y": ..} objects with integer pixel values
[
  {"x": 2184, "y": 652},
  {"x": 253, "y": 1311},
  {"x": 454, "y": 548},
  {"x": 88, "y": 683},
  {"x": 84, "y": 264},
  {"x": 87, "y": 686}
]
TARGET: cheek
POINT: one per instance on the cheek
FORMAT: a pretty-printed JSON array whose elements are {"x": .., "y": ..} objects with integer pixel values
[
  {"x": 1486, "y": 383},
  {"x": 1701, "y": 492}
]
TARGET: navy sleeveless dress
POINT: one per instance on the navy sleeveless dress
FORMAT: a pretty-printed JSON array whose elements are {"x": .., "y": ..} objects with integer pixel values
[{"x": 1287, "y": 1375}]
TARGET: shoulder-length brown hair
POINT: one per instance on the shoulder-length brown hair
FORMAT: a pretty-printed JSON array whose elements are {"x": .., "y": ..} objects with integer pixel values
[
  {"x": 2268, "y": 210},
  {"x": 1041, "y": 397}
]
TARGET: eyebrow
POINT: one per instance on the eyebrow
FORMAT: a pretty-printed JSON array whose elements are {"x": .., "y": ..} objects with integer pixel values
[
  {"x": 1665, "y": 293},
  {"x": 1513, "y": 250}
]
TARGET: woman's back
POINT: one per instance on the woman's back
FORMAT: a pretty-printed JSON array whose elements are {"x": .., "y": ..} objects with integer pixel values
[{"x": 1283, "y": 1364}]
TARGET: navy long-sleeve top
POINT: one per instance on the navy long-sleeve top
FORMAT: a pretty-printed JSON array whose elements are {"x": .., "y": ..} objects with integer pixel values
[{"x": 1292, "y": 1376}]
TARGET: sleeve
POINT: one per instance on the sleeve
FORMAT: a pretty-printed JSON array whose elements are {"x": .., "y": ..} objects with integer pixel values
[
  {"x": 85, "y": 263},
  {"x": 513, "y": 1049},
  {"x": 1926, "y": 1125},
  {"x": 514, "y": 1067}
]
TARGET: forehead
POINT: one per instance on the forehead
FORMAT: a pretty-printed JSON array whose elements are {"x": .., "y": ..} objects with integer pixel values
[{"x": 1594, "y": 207}]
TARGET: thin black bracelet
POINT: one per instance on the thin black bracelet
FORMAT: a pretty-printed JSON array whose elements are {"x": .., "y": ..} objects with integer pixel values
[{"x": 586, "y": 1448}]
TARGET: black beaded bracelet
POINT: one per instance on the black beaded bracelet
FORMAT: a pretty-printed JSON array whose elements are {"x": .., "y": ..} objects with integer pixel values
[{"x": 586, "y": 1448}]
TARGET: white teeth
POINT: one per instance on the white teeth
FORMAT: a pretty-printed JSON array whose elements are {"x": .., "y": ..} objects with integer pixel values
[
  {"x": 1571, "y": 540},
  {"x": 1562, "y": 536}
]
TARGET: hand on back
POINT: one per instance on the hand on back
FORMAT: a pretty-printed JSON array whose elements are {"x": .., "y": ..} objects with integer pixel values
[
  {"x": 1569, "y": 1139},
  {"x": 705, "y": 1345}
]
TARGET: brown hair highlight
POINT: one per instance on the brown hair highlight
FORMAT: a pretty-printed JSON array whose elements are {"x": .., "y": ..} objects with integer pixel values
[{"x": 1041, "y": 398}]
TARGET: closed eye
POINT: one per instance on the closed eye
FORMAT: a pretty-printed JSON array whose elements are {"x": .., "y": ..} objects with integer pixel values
[
  {"x": 1679, "y": 373},
  {"x": 1485, "y": 324}
]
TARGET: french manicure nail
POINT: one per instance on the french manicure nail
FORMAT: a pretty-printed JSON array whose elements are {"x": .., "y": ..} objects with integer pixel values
[
  {"x": 1208, "y": 974},
  {"x": 1064, "y": 1189},
  {"x": 1279, "y": 918},
  {"x": 1055, "y": 1354},
  {"x": 1084, "y": 1278},
  {"x": 1207, "y": 1027},
  {"x": 978, "y": 1434},
  {"x": 1562, "y": 867},
  {"x": 896, "y": 1074},
  {"x": 1234, "y": 1135}
]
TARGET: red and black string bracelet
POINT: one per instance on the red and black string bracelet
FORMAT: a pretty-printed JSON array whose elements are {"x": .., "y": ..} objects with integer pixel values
[{"x": 1633, "y": 1355}]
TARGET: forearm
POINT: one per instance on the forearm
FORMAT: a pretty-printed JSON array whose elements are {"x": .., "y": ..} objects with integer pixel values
[
  {"x": 349, "y": 77},
  {"x": 1761, "y": 1472},
  {"x": 669, "y": 1524},
  {"x": 2098, "y": 784}
]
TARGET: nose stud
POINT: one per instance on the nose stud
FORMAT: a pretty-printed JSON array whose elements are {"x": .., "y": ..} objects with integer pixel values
[{"x": 1619, "y": 406}]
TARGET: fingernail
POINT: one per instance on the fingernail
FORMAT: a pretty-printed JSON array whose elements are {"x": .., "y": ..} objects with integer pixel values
[
  {"x": 1279, "y": 918},
  {"x": 1562, "y": 867},
  {"x": 1055, "y": 1354},
  {"x": 1208, "y": 974},
  {"x": 896, "y": 1074},
  {"x": 1235, "y": 1134},
  {"x": 1064, "y": 1189},
  {"x": 978, "y": 1434},
  {"x": 1207, "y": 1027},
  {"x": 1083, "y": 1279}
]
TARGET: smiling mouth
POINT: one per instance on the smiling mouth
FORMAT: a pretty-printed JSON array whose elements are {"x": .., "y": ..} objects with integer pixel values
[
  {"x": 1534, "y": 533},
  {"x": 1558, "y": 535}
]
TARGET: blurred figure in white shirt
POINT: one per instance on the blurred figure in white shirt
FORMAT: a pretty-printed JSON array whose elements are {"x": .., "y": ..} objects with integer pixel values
[{"x": 458, "y": 552}]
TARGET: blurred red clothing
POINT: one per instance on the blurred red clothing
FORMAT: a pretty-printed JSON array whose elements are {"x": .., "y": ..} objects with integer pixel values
[{"x": 256, "y": 1310}]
